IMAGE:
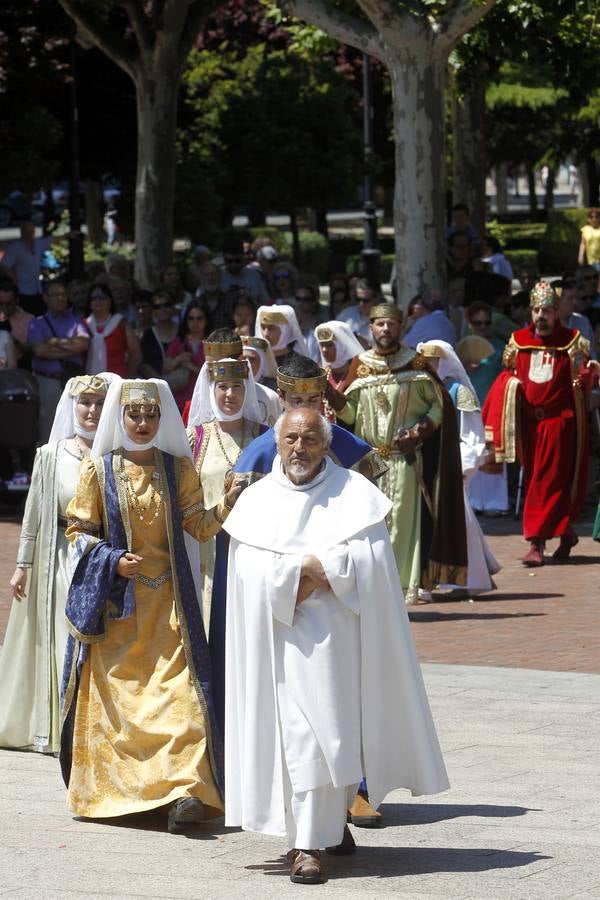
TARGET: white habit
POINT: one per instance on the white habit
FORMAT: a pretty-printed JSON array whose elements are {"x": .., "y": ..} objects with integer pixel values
[{"x": 319, "y": 695}]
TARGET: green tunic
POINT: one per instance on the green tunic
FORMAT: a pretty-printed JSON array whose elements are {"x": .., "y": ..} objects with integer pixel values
[{"x": 384, "y": 397}]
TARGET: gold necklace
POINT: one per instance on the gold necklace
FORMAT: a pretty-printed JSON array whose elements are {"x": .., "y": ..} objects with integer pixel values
[
  {"x": 133, "y": 500},
  {"x": 220, "y": 442},
  {"x": 80, "y": 450}
]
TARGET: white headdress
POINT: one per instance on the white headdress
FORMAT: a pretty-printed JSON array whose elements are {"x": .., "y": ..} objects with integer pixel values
[
  {"x": 170, "y": 437},
  {"x": 347, "y": 346},
  {"x": 450, "y": 365},
  {"x": 264, "y": 351},
  {"x": 65, "y": 423},
  {"x": 285, "y": 318},
  {"x": 204, "y": 407}
]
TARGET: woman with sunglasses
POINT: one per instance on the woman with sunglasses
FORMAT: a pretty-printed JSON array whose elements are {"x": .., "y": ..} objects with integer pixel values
[
  {"x": 285, "y": 276},
  {"x": 114, "y": 345},
  {"x": 186, "y": 350},
  {"x": 156, "y": 340}
]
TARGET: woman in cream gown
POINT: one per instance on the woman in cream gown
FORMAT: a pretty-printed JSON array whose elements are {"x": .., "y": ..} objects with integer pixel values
[
  {"x": 139, "y": 731},
  {"x": 32, "y": 656},
  {"x": 224, "y": 418}
]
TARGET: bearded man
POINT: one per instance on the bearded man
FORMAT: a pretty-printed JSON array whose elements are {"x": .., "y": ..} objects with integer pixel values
[
  {"x": 402, "y": 409},
  {"x": 316, "y": 611},
  {"x": 537, "y": 411}
]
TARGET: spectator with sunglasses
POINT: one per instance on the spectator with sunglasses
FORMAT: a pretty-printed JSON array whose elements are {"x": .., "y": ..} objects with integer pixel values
[
  {"x": 186, "y": 350},
  {"x": 284, "y": 277},
  {"x": 356, "y": 316},
  {"x": 586, "y": 279},
  {"x": 566, "y": 310},
  {"x": 236, "y": 274},
  {"x": 155, "y": 340}
]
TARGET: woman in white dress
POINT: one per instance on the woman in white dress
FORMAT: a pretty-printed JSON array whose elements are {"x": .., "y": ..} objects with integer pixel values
[
  {"x": 34, "y": 645},
  {"x": 443, "y": 359}
]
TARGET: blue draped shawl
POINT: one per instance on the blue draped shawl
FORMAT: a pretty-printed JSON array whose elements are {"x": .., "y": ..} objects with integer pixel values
[{"x": 98, "y": 593}]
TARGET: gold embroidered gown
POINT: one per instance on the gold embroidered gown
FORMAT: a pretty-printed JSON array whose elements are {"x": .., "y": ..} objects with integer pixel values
[
  {"x": 217, "y": 454},
  {"x": 140, "y": 740}
]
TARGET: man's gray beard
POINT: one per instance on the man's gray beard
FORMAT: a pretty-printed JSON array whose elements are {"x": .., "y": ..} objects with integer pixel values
[{"x": 299, "y": 472}]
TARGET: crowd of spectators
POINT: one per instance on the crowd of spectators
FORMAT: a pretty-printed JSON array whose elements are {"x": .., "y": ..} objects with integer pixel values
[{"x": 105, "y": 322}]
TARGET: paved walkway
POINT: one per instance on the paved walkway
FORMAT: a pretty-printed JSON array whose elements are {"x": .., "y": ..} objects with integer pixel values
[{"x": 521, "y": 821}]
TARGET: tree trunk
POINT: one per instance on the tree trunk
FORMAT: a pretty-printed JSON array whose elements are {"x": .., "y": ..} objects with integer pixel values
[
  {"x": 592, "y": 181},
  {"x": 155, "y": 181},
  {"x": 469, "y": 152},
  {"x": 532, "y": 191},
  {"x": 93, "y": 212},
  {"x": 418, "y": 76},
  {"x": 321, "y": 222},
  {"x": 501, "y": 189},
  {"x": 295, "y": 238}
]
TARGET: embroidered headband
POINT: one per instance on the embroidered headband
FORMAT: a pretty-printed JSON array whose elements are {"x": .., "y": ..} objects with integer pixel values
[
  {"x": 254, "y": 343},
  {"x": 273, "y": 318},
  {"x": 87, "y": 384},
  {"x": 324, "y": 334}
]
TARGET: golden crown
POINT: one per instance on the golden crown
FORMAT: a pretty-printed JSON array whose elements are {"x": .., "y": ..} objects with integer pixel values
[
  {"x": 300, "y": 385},
  {"x": 543, "y": 294},
  {"x": 222, "y": 349},
  {"x": 227, "y": 370},
  {"x": 385, "y": 311},
  {"x": 255, "y": 343},
  {"x": 142, "y": 394}
]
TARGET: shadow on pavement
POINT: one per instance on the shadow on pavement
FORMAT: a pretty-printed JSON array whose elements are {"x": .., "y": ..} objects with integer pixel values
[
  {"x": 432, "y": 616},
  {"x": 494, "y": 597},
  {"x": 427, "y": 813},
  {"x": 573, "y": 560},
  {"x": 394, "y": 862}
]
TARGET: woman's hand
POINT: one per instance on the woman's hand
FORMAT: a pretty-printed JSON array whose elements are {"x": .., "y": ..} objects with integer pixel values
[
  {"x": 18, "y": 582},
  {"x": 129, "y": 565},
  {"x": 238, "y": 485}
]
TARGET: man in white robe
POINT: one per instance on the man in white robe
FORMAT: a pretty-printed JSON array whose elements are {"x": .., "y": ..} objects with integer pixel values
[{"x": 323, "y": 682}]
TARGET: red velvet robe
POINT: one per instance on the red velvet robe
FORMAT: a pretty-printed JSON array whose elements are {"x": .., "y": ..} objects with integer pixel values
[{"x": 539, "y": 410}]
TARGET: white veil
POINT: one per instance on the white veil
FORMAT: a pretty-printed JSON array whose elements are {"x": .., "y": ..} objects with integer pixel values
[
  {"x": 290, "y": 333},
  {"x": 65, "y": 422},
  {"x": 170, "y": 437},
  {"x": 268, "y": 366},
  {"x": 347, "y": 345},
  {"x": 203, "y": 407},
  {"x": 450, "y": 365}
]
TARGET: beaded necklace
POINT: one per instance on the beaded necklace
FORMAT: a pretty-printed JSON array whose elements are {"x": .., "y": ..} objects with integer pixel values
[{"x": 133, "y": 500}]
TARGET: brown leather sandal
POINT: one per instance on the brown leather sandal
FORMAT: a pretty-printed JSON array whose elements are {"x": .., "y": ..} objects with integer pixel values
[{"x": 305, "y": 866}]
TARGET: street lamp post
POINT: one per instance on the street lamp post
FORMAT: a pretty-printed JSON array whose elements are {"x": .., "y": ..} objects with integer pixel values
[
  {"x": 76, "y": 261},
  {"x": 370, "y": 252}
]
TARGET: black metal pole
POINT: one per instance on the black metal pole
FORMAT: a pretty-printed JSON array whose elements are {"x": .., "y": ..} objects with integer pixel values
[
  {"x": 76, "y": 262},
  {"x": 370, "y": 253}
]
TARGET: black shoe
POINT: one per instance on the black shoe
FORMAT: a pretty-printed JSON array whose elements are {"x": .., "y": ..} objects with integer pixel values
[{"x": 346, "y": 848}]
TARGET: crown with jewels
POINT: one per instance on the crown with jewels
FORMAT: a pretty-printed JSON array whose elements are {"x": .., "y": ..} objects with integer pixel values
[
  {"x": 254, "y": 343},
  {"x": 543, "y": 294},
  {"x": 144, "y": 396},
  {"x": 228, "y": 370}
]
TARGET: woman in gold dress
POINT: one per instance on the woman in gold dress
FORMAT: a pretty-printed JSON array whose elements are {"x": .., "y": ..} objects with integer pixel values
[
  {"x": 139, "y": 728},
  {"x": 224, "y": 418}
]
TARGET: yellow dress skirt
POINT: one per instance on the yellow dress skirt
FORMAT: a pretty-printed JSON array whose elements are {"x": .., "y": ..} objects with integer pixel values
[{"x": 139, "y": 737}]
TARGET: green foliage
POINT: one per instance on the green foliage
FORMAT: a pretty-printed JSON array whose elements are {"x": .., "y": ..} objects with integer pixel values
[{"x": 559, "y": 246}]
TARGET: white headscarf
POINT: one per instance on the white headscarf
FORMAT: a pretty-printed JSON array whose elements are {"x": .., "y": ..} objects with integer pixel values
[
  {"x": 290, "y": 332},
  {"x": 347, "y": 346},
  {"x": 267, "y": 365},
  {"x": 450, "y": 365},
  {"x": 170, "y": 437},
  {"x": 204, "y": 407},
  {"x": 96, "y": 358},
  {"x": 65, "y": 423}
]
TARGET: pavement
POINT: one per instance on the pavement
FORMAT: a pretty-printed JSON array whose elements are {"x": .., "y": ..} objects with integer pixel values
[{"x": 514, "y": 685}]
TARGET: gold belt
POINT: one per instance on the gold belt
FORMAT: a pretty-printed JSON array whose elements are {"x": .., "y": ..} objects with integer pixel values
[{"x": 153, "y": 583}]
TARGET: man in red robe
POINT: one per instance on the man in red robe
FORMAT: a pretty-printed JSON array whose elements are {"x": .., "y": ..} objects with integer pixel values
[{"x": 536, "y": 410}]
